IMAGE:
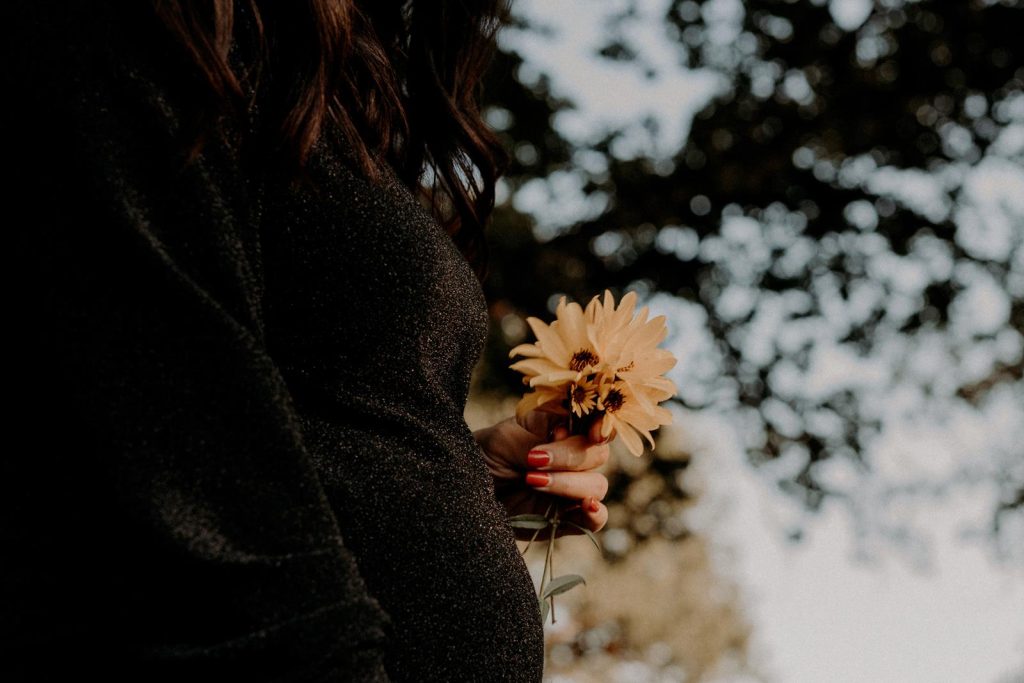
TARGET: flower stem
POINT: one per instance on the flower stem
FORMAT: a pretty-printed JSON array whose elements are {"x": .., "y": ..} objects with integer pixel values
[
  {"x": 549, "y": 561},
  {"x": 554, "y": 528},
  {"x": 536, "y": 533}
]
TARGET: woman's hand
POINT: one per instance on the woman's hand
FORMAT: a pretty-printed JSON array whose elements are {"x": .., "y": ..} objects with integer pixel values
[{"x": 537, "y": 463}]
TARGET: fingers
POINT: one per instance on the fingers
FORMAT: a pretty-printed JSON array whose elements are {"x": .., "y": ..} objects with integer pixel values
[
  {"x": 541, "y": 423},
  {"x": 506, "y": 446},
  {"x": 551, "y": 426},
  {"x": 591, "y": 515},
  {"x": 578, "y": 485},
  {"x": 572, "y": 453},
  {"x": 595, "y": 432},
  {"x": 546, "y": 425},
  {"x": 543, "y": 431},
  {"x": 560, "y": 431}
]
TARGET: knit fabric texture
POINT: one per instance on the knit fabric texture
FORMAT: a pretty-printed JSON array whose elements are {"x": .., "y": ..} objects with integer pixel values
[{"x": 241, "y": 399}]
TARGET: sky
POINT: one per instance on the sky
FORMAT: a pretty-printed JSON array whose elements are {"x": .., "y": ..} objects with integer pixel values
[
  {"x": 897, "y": 578},
  {"x": 822, "y": 613}
]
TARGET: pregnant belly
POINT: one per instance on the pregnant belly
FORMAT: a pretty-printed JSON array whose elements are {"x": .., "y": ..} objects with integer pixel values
[{"x": 419, "y": 513}]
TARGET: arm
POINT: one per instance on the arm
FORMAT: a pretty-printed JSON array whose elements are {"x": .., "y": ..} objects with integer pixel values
[{"x": 165, "y": 518}]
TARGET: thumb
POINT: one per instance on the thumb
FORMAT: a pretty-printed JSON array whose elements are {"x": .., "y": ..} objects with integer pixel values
[
  {"x": 595, "y": 432},
  {"x": 541, "y": 423}
]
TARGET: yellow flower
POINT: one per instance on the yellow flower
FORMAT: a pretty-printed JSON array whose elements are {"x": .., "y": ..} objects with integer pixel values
[
  {"x": 604, "y": 359},
  {"x": 582, "y": 397},
  {"x": 563, "y": 351},
  {"x": 630, "y": 417},
  {"x": 630, "y": 345}
]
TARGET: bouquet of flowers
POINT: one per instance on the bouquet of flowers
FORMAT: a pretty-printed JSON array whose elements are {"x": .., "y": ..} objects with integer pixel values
[{"x": 601, "y": 363}]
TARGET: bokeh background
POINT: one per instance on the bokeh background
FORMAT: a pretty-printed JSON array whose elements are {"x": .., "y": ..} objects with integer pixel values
[{"x": 826, "y": 200}]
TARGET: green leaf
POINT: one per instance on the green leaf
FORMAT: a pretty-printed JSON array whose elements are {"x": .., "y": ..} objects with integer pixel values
[
  {"x": 529, "y": 518},
  {"x": 588, "y": 532},
  {"x": 544, "y": 609},
  {"x": 561, "y": 584},
  {"x": 528, "y": 524},
  {"x": 529, "y": 521}
]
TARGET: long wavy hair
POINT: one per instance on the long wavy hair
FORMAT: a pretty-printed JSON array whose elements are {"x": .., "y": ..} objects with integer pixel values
[{"x": 399, "y": 79}]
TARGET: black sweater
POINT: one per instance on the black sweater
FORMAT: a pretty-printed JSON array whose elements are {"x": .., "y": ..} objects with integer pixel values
[{"x": 239, "y": 403}]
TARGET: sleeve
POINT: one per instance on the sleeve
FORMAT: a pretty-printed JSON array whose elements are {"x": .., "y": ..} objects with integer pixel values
[{"x": 163, "y": 517}]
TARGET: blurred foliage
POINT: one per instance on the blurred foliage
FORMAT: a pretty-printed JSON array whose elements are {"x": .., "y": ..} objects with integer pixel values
[{"x": 786, "y": 192}]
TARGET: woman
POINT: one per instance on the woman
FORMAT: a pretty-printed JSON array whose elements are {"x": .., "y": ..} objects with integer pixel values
[{"x": 243, "y": 350}]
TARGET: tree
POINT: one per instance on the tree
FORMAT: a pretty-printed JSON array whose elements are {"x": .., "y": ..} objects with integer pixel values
[{"x": 848, "y": 208}]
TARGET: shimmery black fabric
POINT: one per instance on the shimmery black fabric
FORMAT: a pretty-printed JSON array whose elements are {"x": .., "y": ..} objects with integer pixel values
[{"x": 240, "y": 402}]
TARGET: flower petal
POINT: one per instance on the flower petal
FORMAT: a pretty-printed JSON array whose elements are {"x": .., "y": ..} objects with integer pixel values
[
  {"x": 553, "y": 378},
  {"x": 625, "y": 311},
  {"x": 536, "y": 366},
  {"x": 531, "y": 350},
  {"x": 590, "y": 313},
  {"x": 630, "y": 438},
  {"x": 550, "y": 341},
  {"x": 574, "y": 334},
  {"x": 532, "y": 400},
  {"x": 527, "y": 403}
]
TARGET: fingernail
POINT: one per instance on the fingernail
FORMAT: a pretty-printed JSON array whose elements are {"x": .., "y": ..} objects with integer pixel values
[
  {"x": 538, "y": 479},
  {"x": 538, "y": 458},
  {"x": 594, "y": 506}
]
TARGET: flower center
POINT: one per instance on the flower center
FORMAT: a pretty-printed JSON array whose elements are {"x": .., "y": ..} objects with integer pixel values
[
  {"x": 582, "y": 359},
  {"x": 613, "y": 401},
  {"x": 579, "y": 393}
]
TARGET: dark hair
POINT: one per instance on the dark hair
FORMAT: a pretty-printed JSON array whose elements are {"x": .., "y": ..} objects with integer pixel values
[{"x": 400, "y": 79}]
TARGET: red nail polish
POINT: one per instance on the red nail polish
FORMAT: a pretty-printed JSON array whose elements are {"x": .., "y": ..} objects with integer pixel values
[
  {"x": 594, "y": 505},
  {"x": 539, "y": 479},
  {"x": 538, "y": 458}
]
